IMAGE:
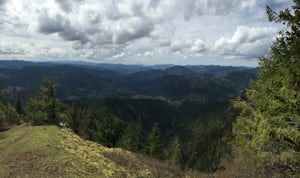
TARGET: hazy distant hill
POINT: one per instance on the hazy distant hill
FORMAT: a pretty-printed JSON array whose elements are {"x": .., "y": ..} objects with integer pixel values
[{"x": 78, "y": 81}]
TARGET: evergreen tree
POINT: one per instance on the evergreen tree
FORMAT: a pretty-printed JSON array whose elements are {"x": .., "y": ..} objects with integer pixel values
[
  {"x": 267, "y": 130},
  {"x": 74, "y": 118},
  {"x": 3, "y": 99},
  {"x": 3, "y": 122},
  {"x": 18, "y": 104},
  {"x": 153, "y": 143},
  {"x": 176, "y": 151},
  {"x": 50, "y": 92},
  {"x": 8, "y": 115},
  {"x": 42, "y": 108},
  {"x": 132, "y": 137}
]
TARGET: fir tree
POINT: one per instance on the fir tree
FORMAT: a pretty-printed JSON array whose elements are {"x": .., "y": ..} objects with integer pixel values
[
  {"x": 42, "y": 108},
  {"x": 132, "y": 137},
  {"x": 18, "y": 104},
  {"x": 176, "y": 151},
  {"x": 50, "y": 91},
  {"x": 153, "y": 143},
  {"x": 267, "y": 130}
]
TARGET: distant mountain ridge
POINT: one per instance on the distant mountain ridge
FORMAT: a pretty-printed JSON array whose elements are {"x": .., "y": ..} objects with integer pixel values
[
  {"x": 75, "y": 80},
  {"x": 123, "y": 68}
]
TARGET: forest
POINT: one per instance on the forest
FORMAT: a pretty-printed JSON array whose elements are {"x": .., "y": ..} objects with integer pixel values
[{"x": 194, "y": 119}]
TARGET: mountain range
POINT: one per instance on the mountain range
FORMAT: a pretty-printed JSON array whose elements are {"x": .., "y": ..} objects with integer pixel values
[{"x": 87, "y": 80}]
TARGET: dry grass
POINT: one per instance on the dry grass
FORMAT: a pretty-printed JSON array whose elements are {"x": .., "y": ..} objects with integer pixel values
[{"x": 52, "y": 152}]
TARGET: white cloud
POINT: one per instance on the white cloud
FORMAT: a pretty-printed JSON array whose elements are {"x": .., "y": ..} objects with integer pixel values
[
  {"x": 102, "y": 30},
  {"x": 247, "y": 41},
  {"x": 198, "y": 46},
  {"x": 120, "y": 55}
]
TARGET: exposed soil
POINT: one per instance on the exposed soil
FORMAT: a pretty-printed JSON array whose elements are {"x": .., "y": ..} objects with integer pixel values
[{"x": 22, "y": 137}]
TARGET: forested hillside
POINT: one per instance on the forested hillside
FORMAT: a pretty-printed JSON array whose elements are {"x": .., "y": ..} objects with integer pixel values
[
  {"x": 64, "y": 118},
  {"x": 124, "y": 109},
  {"x": 267, "y": 130}
]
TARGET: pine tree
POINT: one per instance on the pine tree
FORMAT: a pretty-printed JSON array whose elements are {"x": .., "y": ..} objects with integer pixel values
[{"x": 267, "y": 130}]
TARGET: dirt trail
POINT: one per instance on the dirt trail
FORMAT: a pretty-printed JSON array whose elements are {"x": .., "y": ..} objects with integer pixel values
[{"x": 11, "y": 144}]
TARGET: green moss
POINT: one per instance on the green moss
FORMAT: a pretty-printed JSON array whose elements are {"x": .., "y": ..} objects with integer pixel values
[{"x": 52, "y": 152}]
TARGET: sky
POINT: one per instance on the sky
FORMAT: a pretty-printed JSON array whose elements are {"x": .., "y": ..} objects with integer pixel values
[{"x": 183, "y": 32}]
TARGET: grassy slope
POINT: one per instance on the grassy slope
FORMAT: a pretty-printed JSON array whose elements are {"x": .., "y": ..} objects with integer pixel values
[{"x": 48, "y": 151}]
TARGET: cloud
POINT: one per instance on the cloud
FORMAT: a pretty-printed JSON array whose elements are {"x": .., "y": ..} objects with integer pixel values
[
  {"x": 65, "y": 5},
  {"x": 48, "y": 25},
  {"x": 120, "y": 55},
  {"x": 180, "y": 45},
  {"x": 149, "y": 54},
  {"x": 247, "y": 41},
  {"x": 198, "y": 46},
  {"x": 10, "y": 49},
  {"x": 138, "y": 29},
  {"x": 120, "y": 23},
  {"x": 2, "y": 2}
]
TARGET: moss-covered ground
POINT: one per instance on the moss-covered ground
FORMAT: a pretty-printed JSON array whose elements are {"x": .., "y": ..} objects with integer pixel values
[{"x": 49, "y": 151}]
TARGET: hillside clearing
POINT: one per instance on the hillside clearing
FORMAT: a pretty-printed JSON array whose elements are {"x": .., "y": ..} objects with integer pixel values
[{"x": 48, "y": 151}]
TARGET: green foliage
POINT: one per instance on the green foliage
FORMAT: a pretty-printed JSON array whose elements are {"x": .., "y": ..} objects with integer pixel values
[
  {"x": 153, "y": 143},
  {"x": 96, "y": 125},
  {"x": 8, "y": 115},
  {"x": 3, "y": 119},
  {"x": 132, "y": 138},
  {"x": 176, "y": 151},
  {"x": 205, "y": 136},
  {"x": 18, "y": 104},
  {"x": 3, "y": 99},
  {"x": 42, "y": 108},
  {"x": 109, "y": 126},
  {"x": 267, "y": 130}
]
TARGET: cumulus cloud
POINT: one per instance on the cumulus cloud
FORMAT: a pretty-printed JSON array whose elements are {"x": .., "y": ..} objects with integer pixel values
[
  {"x": 88, "y": 29},
  {"x": 118, "y": 23},
  {"x": 198, "y": 46},
  {"x": 252, "y": 41}
]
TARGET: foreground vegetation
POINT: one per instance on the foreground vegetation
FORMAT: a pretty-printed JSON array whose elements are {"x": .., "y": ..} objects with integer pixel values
[
  {"x": 48, "y": 151},
  {"x": 267, "y": 132}
]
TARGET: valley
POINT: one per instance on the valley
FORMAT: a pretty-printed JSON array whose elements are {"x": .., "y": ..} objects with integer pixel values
[{"x": 191, "y": 102}]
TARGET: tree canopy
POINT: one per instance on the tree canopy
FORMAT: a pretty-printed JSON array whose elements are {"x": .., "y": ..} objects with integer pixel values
[{"x": 268, "y": 129}]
